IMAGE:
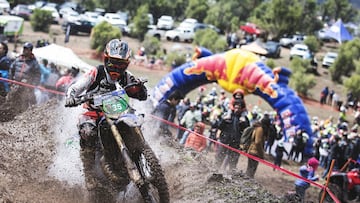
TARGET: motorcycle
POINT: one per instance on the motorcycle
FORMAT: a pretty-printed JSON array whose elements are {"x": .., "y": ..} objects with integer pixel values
[
  {"x": 344, "y": 185},
  {"x": 142, "y": 166}
]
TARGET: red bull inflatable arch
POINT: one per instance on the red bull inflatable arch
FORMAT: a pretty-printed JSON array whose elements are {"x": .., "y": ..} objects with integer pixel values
[{"x": 238, "y": 68}]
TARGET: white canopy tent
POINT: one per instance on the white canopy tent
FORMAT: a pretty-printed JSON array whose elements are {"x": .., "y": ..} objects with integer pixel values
[{"x": 61, "y": 56}]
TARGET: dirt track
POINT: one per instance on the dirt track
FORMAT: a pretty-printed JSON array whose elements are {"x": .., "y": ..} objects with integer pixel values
[
  {"x": 36, "y": 165},
  {"x": 40, "y": 163}
]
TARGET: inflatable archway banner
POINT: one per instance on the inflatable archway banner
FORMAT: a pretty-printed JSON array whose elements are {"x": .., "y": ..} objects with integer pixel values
[{"x": 238, "y": 68}]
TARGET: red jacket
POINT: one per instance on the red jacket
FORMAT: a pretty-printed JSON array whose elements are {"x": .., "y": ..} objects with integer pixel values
[{"x": 195, "y": 141}]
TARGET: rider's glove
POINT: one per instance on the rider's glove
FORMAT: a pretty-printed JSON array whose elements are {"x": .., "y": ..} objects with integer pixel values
[{"x": 70, "y": 101}]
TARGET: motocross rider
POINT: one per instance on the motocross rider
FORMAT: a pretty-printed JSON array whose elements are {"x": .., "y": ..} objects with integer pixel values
[{"x": 102, "y": 79}]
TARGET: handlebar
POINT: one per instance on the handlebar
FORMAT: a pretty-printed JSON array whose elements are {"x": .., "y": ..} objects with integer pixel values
[{"x": 90, "y": 97}]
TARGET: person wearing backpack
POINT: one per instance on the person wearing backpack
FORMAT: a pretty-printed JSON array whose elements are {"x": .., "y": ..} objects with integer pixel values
[
  {"x": 256, "y": 148},
  {"x": 231, "y": 127}
]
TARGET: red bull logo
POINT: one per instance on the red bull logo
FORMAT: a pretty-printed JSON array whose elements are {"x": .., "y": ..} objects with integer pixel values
[
  {"x": 213, "y": 67},
  {"x": 253, "y": 77}
]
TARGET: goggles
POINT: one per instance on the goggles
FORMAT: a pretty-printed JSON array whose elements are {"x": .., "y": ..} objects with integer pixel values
[{"x": 116, "y": 64}]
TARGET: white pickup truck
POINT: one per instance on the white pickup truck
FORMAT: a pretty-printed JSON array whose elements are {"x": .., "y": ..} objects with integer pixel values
[
  {"x": 180, "y": 34},
  {"x": 154, "y": 32},
  {"x": 290, "y": 41}
]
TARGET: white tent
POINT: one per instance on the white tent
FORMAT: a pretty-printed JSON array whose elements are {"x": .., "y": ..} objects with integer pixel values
[{"x": 61, "y": 56}]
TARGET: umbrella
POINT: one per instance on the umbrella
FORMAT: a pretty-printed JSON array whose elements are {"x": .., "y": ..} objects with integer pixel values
[
  {"x": 255, "y": 48},
  {"x": 250, "y": 28}
]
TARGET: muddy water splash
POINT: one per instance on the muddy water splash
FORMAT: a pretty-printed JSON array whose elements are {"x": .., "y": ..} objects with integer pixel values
[{"x": 67, "y": 165}]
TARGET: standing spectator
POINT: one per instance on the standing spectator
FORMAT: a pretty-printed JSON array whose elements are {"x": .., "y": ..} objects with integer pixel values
[
  {"x": 232, "y": 127},
  {"x": 63, "y": 82},
  {"x": 189, "y": 119},
  {"x": 183, "y": 106},
  {"x": 298, "y": 145},
  {"x": 4, "y": 68},
  {"x": 356, "y": 151},
  {"x": 306, "y": 171},
  {"x": 167, "y": 110},
  {"x": 279, "y": 153},
  {"x": 271, "y": 137},
  {"x": 335, "y": 153},
  {"x": 323, "y": 95},
  {"x": 233, "y": 40},
  {"x": 213, "y": 132},
  {"x": 24, "y": 69},
  {"x": 238, "y": 95},
  {"x": 194, "y": 140},
  {"x": 335, "y": 100},
  {"x": 324, "y": 151},
  {"x": 53, "y": 77},
  {"x": 331, "y": 94},
  {"x": 45, "y": 72},
  {"x": 256, "y": 147}
]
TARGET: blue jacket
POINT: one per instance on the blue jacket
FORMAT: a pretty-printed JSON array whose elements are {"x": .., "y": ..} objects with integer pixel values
[{"x": 307, "y": 173}]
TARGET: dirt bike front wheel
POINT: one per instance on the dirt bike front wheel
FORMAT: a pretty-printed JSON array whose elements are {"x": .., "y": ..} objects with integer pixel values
[{"x": 155, "y": 189}]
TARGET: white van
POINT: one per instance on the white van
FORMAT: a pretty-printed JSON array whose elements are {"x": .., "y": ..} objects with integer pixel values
[{"x": 11, "y": 26}]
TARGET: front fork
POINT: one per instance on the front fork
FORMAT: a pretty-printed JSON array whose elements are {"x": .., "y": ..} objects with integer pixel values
[{"x": 129, "y": 164}]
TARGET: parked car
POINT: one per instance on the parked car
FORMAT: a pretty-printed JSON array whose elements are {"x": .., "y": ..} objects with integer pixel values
[
  {"x": 21, "y": 10},
  {"x": 329, "y": 59},
  {"x": 71, "y": 16},
  {"x": 273, "y": 48},
  {"x": 75, "y": 6},
  {"x": 66, "y": 10},
  {"x": 124, "y": 15},
  {"x": 321, "y": 35},
  {"x": 115, "y": 20},
  {"x": 289, "y": 41},
  {"x": 91, "y": 16},
  {"x": 154, "y": 32},
  {"x": 189, "y": 23},
  {"x": 216, "y": 29},
  {"x": 180, "y": 34},
  {"x": 36, "y": 4},
  {"x": 4, "y": 6},
  {"x": 54, "y": 13},
  {"x": 303, "y": 51},
  {"x": 81, "y": 25},
  {"x": 165, "y": 22}
]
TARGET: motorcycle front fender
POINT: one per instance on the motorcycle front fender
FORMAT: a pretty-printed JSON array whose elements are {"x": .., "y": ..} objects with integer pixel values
[{"x": 131, "y": 120}]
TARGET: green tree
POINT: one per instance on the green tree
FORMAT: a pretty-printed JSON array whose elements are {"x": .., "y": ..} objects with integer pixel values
[
  {"x": 101, "y": 34},
  {"x": 211, "y": 40},
  {"x": 227, "y": 14},
  {"x": 352, "y": 84},
  {"x": 309, "y": 21},
  {"x": 280, "y": 17},
  {"x": 313, "y": 43},
  {"x": 41, "y": 20},
  {"x": 345, "y": 62},
  {"x": 270, "y": 63},
  {"x": 151, "y": 45},
  {"x": 141, "y": 21},
  {"x": 335, "y": 9},
  {"x": 300, "y": 81},
  {"x": 197, "y": 9}
]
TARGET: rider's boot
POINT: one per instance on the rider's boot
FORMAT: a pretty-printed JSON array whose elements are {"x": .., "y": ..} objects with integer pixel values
[{"x": 88, "y": 134}]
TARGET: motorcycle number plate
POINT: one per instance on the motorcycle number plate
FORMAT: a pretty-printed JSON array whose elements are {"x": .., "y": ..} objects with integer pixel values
[{"x": 114, "y": 105}]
